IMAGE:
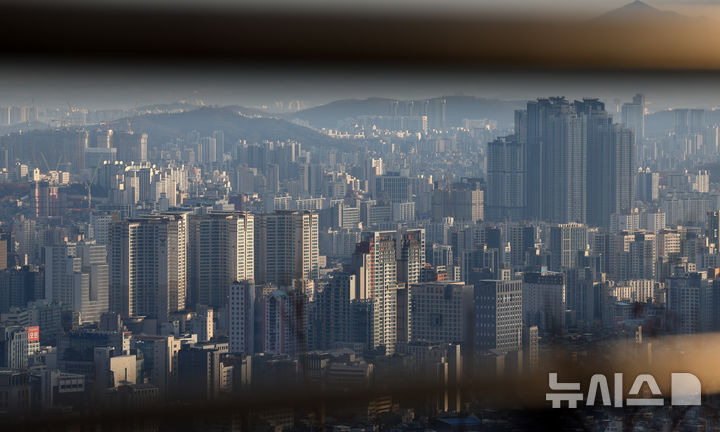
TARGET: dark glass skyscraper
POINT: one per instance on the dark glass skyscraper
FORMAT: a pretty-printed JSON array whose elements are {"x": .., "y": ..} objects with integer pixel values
[
  {"x": 566, "y": 162},
  {"x": 557, "y": 145},
  {"x": 506, "y": 179},
  {"x": 610, "y": 164}
]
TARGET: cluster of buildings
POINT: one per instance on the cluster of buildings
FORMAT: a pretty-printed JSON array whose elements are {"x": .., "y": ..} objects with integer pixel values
[
  {"x": 208, "y": 266},
  {"x": 10, "y": 115}
]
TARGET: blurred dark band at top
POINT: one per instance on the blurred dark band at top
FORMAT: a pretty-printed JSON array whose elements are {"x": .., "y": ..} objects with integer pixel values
[{"x": 634, "y": 37}]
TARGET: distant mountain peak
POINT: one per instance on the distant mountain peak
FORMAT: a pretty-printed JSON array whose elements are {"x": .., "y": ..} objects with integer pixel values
[
  {"x": 639, "y": 10},
  {"x": 637, "y": 4}
]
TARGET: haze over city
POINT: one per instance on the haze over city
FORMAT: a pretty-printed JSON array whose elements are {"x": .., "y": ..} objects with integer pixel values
[{"x": 398, "y": 216}]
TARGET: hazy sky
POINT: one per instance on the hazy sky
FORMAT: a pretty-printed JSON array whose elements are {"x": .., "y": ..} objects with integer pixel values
[
  {"x": 527, "y": 7},
  {"x": 92, "y": 86}
]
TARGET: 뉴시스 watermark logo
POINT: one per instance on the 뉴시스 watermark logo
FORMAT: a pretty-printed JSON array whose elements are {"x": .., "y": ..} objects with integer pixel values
[{"x": 685, "y": 390}]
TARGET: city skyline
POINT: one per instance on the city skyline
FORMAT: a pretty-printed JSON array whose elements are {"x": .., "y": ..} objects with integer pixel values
[
  {"x": 209, "y": 249},
  {"x": 359, "y": 216}
]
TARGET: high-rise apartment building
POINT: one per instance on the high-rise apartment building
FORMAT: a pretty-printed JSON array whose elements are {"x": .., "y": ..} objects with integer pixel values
[
  {"x": 689, "y": 121},
  {"x": 286, "y": 247},
  {"x": 610, "y": 163},
  {"x": 464, "y": 201},
  {"x": 497, "y": 315},
  {"x": 633, "y": 116},
  {"x": 648, "y": 185},
  {"x": 19, "y": 286},
  {"x": 274, "y": 328},
  {"x": 148, "y": 265},
  {"x": 77, "y": 277},
  {"x": 201, "y": 371},
  {"x": 7, "y": 249},
  {"x": 506, "y": 171},
  {"x": 47, "y": 200},
  {"x": 221, "y": 251},
  {"x": 435, "y": 112},
  {"x": 334, "y": 310},
  {"x": 688, "y": 302},
  {"x": 394, "y": 187},
  {"x": 375, "y": 263},
  {"x": 411, "y": 254},
  {"x": 283, "y": 320},
  {"x": 441, "y": 255},
  {"x": 576, "y": 165},
  {"x": 643, "y": 256},
  {"x": 13, "y": 347},
  {"x": 713, "y": 227},
  {"x": 60, "y": 266},
  {"x": 160, "y": 354},
  {"x": 565, "y": 241},
  {"x": 557, "y": 146},
  {"x": 131, "y": 147},
  {"x": 207, "y": 150},
  {"x": 436, "y": 311},
  {"x": 634, "y": 256},
  {"x": 92, "y": 300},
  {"x": 219, "y": 137},
  {"x": 521, "y": 239},
  {"x": 543, "y": 301},
  {"x": 242, "y": 317}
]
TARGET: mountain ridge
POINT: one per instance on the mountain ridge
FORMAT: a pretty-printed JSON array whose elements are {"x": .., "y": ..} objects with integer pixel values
[
  {"x": 457, "y": 109},
  {"x": 164, "y": 127}
]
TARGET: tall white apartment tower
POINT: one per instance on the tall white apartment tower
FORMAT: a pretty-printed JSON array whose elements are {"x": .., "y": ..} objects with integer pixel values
[
  {"x": 377, "y": 268},
  {"x": 148, "y": 265},
  {"x": 78, "y": 278},
  {"x": 221, "y": 251}
]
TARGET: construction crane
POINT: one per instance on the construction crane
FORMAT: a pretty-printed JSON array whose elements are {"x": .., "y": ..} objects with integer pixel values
[
  {"x": 74, "y": 110},
  {"x": 47, "y": 166},
  {"x": 71, "y": 111},
  {"x": 108, "y": 124},
  {"x": 89, "y": 184}
]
